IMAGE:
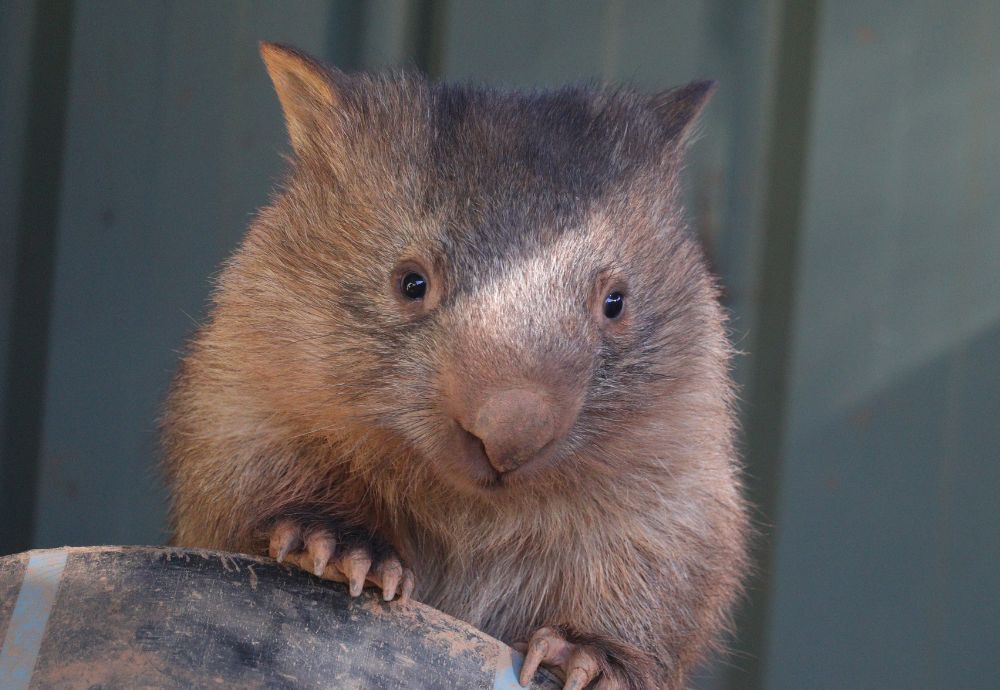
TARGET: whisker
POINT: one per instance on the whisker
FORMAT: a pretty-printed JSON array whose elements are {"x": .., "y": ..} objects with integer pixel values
[{"x": 313, "y": 431}]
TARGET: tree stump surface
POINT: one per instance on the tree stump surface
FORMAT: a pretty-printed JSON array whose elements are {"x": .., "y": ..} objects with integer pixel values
[{"x": 125, "y": 617}]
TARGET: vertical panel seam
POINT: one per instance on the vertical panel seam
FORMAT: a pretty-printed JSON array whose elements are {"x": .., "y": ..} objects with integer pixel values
[
  {"x": 766, "y": 414},
  {"x": 36, "y": 228}
]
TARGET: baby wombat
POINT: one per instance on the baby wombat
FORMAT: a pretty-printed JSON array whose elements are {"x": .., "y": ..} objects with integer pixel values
[{"x": 471, "y": 353}]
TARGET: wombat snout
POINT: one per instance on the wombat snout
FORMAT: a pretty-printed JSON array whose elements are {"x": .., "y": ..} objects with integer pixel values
[{"x": 513, "y": 425}]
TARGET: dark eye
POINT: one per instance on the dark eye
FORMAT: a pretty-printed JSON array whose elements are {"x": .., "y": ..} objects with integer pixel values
[
  {"x": 613, "y": 305},
  {"x": 413, "y": 286}
]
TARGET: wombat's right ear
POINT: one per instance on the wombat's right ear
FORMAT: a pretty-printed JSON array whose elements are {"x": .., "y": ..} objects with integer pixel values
[
  {"x": 306, "y": 90},
  {"x": 679, "y": 109}
]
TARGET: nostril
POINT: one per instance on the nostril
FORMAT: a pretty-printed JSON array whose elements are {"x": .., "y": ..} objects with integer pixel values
[
  {"x": 479, "y": 445},
  {"x": 473, "y": 444},
  {"x": 513, "y": 425}
]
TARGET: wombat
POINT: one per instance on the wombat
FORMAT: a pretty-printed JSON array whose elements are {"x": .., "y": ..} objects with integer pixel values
[{"x": 471, "y": 352}]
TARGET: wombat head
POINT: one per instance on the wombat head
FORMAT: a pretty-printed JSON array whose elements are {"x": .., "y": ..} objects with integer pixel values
[{"x": 499, "y": 281}]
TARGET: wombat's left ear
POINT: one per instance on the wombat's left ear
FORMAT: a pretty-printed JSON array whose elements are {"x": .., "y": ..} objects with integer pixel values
[
  {"x": 679, "y": 108},
  {"x": 306, "y": 90}
]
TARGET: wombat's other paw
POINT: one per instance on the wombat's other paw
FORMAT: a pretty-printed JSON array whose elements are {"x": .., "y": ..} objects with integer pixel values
[
  {"x": 318, "y": 550},
  {"x": 579, "y": 663}
]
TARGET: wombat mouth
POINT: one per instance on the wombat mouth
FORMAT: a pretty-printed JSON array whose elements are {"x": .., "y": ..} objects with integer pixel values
[{"x": 498, "y": 482}]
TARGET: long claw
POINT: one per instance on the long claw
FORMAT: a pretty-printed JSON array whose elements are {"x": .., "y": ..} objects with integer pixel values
[
  {"x": 536, "y": 652},
  {"x": 357, "y": 565},
  {"x": 320, "y": 546},
  {"x": 583, "y": 668},
  {"x": 392, "y": 573},
  {"x": 315, "y": 549},
  {"x": 284, "y": 538},
  {"x": 577, "y": 679},
  {"x": 408, "y": 585},
  {"x": 579, "y": 664}
]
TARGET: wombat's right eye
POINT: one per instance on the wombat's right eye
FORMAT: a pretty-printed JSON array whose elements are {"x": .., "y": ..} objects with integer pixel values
[
  {"x": 614, "y": 302},
  {"x": 413, "y": 285}
]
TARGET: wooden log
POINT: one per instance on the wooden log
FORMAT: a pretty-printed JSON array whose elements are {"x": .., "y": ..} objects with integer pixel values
[{"x": 160, "y": 617}]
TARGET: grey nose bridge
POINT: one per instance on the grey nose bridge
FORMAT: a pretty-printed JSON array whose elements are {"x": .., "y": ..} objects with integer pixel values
[{"x": 519, "y": 329}]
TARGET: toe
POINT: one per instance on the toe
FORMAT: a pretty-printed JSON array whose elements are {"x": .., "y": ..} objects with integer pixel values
[
  {"x": 318, "y": 549},
  {"x": 285, "y": 537},
  {"x": 537, "y": 649},
  {"x": 389, "y": 575},
  {"x": 355, "y": 564},
  {"x": 546, "y": 646},
  {"x": 581, "y": 669},
  {"x": 408, "y": 584},
  {"x": 576, "y": 680},
  {"x": 578, "y": 664},
  {"x": 320, "y": 546}
]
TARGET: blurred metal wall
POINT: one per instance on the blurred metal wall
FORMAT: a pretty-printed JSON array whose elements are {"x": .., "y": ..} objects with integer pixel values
[{"x": 846, "y": 185}]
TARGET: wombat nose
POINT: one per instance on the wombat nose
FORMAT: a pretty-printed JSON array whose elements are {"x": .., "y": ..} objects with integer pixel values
[{"x": 513, "y": 426}]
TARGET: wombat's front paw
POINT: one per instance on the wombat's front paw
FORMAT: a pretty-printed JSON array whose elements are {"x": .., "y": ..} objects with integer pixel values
[
  {"x": 323, "y": 551},
  {"x": 581, "y": 661}
]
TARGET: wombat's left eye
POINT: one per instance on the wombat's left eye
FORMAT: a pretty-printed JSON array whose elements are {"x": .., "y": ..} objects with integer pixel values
[
  {"x": 613, "y": 304},
  {"x": 413, "y": 286}
]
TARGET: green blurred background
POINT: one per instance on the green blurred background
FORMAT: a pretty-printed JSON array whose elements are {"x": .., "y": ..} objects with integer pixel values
[{"x": 847, "y": 185}]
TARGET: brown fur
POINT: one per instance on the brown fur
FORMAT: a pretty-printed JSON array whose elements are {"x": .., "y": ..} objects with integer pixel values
[{"x": 313, "y": 387}]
